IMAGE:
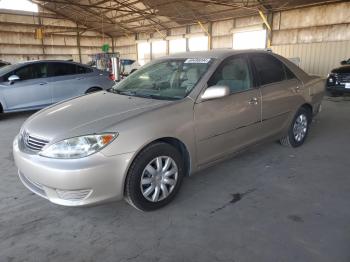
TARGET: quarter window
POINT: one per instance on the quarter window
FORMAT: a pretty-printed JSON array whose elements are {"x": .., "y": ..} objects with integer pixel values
[
  {"x": 269, "y": 69},
  {"x": 233, "y": 73}
]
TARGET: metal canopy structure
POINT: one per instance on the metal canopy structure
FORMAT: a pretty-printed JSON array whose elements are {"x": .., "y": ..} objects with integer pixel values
[{"x": 126, "y": 17}]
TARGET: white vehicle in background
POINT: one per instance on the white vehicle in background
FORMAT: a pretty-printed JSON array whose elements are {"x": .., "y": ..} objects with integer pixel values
[{"x": 128, "y": 66}]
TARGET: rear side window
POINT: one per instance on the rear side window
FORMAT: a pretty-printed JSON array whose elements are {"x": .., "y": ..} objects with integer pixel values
[
  {"x": 61, "y": 69},
  {"x": 269, "y": 69}
]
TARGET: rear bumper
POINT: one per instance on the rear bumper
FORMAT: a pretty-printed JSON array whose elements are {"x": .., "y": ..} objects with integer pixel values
[{"x": 77, "y": 182}]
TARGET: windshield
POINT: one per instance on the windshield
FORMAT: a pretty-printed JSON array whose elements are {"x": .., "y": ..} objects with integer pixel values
[
  {"x": 7, "y": 68},
  {"x": 170, "y": 79}
]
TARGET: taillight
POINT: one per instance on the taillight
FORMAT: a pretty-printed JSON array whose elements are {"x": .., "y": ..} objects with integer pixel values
[{"x": 112, "y": 77}]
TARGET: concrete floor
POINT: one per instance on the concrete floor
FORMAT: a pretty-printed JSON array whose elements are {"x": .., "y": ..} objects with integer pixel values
[{"x": 271, "y": 203}]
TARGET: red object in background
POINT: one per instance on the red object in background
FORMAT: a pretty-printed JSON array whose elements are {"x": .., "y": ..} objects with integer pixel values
[{"x": 112, "y": 77}]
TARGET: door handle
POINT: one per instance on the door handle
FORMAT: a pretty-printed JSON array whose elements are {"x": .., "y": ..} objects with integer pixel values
[
  {"x": 42, "y": 83},
  {"x": 253, "y": 101},
  {"x": 80, "y": 78}
]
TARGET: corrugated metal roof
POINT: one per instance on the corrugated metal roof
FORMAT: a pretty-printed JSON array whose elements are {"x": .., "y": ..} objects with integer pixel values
[{"x": 123, "y": 17}]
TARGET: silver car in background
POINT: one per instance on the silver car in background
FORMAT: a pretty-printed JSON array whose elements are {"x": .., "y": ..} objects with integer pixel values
[
  {"x": 37, "y": 84},
  {"x": 169, "y": 119}
]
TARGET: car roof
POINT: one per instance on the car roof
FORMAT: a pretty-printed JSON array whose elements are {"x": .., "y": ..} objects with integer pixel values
[
  {"x": 49, "y": 61},
  {"x": 216, "y": 53}
]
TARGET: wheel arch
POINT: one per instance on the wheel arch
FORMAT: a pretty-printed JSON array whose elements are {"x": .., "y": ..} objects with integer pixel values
[
  {"x": 92, "y": 88},
  {"x": 308, "y": 107},
  {"x": 177, "y": 143}
]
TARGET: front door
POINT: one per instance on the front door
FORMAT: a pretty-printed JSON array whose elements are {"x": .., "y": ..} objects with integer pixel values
[
  {"x": 225, "y": 125},
  {"x": 31, "y": 91}
]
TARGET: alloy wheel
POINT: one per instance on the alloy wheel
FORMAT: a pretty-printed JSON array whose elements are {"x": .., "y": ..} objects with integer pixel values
[{"x": 300, "y": 127}]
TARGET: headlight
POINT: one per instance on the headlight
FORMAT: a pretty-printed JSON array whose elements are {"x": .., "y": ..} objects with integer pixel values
[{"x": 78, "y": 147}]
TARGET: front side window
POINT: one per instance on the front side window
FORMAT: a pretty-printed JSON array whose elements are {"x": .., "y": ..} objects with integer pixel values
[
  {"x": 233, "y": 73},
  {"x": 33, "y": 71},
  {"x": 269, "y": 69},
  {"x": 170, "y": 79}
]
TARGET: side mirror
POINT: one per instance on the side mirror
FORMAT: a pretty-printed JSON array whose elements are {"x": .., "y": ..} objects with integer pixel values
[
  {"x": 215, "y": 92},
  {"x": 344, "y": 62},
  {"x": 13, "y": 78}
]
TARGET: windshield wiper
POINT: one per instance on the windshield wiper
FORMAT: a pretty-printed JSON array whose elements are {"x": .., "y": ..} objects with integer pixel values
[
  {"x": 162, "y": 97},
  {"x": 142, "y": 95},
  {"x": 119, "y": 92}
]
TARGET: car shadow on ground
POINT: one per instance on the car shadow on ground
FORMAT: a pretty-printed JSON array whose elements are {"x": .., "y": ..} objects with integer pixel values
[{"x": 16, "y": 115}]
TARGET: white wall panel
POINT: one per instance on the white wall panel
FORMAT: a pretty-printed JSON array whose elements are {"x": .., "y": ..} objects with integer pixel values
[{"x": 316, "y": 58}]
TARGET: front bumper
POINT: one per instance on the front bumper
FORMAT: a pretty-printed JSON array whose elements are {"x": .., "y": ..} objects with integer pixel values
[
  {"x": 338, "y": 88},
  {"x": 73, "y": 182}
]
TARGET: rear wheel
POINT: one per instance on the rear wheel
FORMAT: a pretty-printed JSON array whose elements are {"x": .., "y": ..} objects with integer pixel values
[
  {"x": 299, "y": 128},
  {"x": 154, "y": 177},
  {"x": 93, "y": 90}
]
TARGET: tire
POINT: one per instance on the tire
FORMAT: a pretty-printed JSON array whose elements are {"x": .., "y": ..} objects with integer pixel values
[
  {"x": 136, "y": 193},
  {"x": 297, "y": 134},
  {"x": 93, "y": 90}
]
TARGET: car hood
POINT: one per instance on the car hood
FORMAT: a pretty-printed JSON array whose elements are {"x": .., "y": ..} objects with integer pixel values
[
  {"x": 89, "y": 114},
  {"x": 342, "y": 69}
]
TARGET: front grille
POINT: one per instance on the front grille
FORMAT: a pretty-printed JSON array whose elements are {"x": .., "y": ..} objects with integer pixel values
[
  {"x": 342, "y": 77},
  {"x": 34, "y": 143},
  {"x": 33, "y": 186}
]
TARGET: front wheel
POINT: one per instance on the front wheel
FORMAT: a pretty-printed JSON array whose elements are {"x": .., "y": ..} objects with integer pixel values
[
  {"x": 154, "y": 177},
  {"x": 299, "y": 129}
]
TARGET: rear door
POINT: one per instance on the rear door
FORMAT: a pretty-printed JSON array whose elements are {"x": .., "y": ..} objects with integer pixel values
[
  {"x": 31, "y": 91},
  {"x": 67, "y": 80},
  {"x": 280, "y": 91},
  {"x": 227, "y": 124}
]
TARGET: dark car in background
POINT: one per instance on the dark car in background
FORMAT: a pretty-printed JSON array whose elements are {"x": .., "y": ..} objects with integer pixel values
[
  {"x": 338, "y": 81},
  {"x": 34, "y": 85},
  {"x": 3, "y": 63}
]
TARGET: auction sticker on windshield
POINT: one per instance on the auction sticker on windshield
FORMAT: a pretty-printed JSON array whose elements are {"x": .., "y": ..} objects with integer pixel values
[
  {"x": 347, "y": 85},
  {"x": 197, "y": 61}
]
